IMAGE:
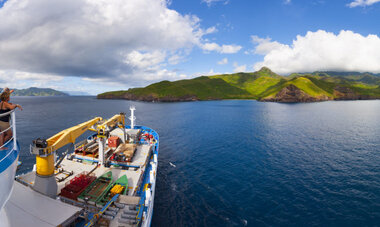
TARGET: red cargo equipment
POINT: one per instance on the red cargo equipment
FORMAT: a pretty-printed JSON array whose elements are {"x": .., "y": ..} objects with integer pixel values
[
  {"x": 113, "y": 141},
  {"x": 77, "y": 185}
]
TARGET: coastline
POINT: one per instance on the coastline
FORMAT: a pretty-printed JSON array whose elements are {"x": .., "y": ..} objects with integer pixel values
[{"x": 258, "y": 100}]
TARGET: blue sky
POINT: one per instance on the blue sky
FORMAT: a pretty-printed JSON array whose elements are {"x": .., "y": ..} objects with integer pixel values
[
  {"x": 238, "y": 20},
  {"x": 96, "y": 46}
]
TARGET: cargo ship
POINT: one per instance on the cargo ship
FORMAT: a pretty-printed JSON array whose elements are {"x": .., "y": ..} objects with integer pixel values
[{"x": 98, "y": 173}]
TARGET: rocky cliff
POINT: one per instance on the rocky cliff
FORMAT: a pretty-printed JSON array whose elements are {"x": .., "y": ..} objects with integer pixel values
[{"x": 291, "y": 93}]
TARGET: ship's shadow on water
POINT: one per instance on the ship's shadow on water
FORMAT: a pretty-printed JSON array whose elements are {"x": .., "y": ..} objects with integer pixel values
[{"x": 241, "y": 162}]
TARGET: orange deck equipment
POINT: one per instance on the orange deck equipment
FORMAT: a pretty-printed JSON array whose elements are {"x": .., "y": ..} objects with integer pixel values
[{"x": 113, "y": 142}]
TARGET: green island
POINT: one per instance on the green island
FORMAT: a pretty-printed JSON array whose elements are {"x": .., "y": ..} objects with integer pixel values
[
  {"x": 34, "y": 91},
  {"x": 262, "y": 85}
]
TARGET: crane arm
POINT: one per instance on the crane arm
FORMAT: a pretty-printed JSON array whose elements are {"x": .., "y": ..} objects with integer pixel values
[
  {"x": 113, "y": 121},
  {"x": 69, "y": 135},
  {"x": 44, "y": 150}
]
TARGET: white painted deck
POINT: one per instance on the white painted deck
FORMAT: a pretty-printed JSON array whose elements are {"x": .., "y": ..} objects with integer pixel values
[
  {"x": 133, "y": 174},
  {"x": 27, "y": 207}
]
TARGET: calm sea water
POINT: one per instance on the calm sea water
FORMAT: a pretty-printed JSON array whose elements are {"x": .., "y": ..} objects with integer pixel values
[{"x": 243, "y": 163}]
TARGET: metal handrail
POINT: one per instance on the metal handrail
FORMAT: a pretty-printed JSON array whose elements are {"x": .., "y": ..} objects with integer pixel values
[
  {"x": 5, "y": 130},
  {"x": 7, "y": 113},
  {"x": 8, "y": 153},
  {"x": 11, "y": 126},
  {"x": 6, "y": 143}
]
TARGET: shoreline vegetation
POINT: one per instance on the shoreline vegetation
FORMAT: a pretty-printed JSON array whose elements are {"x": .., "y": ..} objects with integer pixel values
[{"x": 263, "y": 85}]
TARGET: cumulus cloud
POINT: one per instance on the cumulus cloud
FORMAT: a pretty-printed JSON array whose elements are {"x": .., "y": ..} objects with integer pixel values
[
  {"x": 266, "y": 45},
  {"x": 125, "y": 41},
  {"x": 321, "y": 50},
  {"x": 239, "y": 68},
  {"x": 362, "y": 3},
  {"x": 223, "y": 49},
  {"x": 223, "y": 61}
]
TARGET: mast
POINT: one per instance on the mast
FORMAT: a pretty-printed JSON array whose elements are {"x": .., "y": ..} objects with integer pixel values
[{"x": 132, "y": 117}]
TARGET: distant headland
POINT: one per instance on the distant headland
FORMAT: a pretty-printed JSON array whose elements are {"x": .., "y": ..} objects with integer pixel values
[
  {"x": 262, "y": 85},
  {"x": 34, "y": 91}
]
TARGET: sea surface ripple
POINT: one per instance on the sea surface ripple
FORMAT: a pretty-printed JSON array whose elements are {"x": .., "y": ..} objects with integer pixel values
[{"x": 240, "y": 162}]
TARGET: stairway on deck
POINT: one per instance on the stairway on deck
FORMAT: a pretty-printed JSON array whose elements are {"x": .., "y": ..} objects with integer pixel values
[{"x": 124, "y": 213}]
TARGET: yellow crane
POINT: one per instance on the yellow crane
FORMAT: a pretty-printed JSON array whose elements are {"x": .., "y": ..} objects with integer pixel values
[
  {"x": 45, "y": 158},
  {"x": 45, "y": 149}
]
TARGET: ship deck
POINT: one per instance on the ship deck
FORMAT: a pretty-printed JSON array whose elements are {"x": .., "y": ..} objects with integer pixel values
[
  {"x": 77, "y": 166},
  {"x": 87, "y": 185},
  {"x": 27, "y": 207}
]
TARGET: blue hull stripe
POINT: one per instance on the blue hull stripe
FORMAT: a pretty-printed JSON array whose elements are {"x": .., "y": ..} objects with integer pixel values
[{"x": 10, "y": 158}]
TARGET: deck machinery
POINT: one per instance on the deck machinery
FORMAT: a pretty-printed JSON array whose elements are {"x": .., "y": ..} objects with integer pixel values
[
  {"x": 45, "y": 150},
  {"x": 127, "y": 197}
]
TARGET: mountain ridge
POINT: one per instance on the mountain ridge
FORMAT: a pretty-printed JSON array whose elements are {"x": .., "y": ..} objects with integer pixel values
[
  {"x": 34, "y": 91},
  {"x": 262, "y": 85}
]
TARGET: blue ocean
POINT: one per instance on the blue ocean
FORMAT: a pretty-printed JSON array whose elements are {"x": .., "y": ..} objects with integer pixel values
[{"x": 242, "y": 162}]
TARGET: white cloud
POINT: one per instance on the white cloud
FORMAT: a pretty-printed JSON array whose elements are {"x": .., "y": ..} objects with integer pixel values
[
  {"x": 210, "y": 2},
  {"x": 210, "y": 30},
  {"x": 144, "y": 60},
  {"x": 175, "y": 59},
  {"x": 362, "y": 3},
  {"x": 118, "y": 40},
  {"x": 223, "y": 61},
  {"x": 230, "y": 49},
  {"x": 239, "y": 68},
  {"x": 321, "y": 50},
  {"x": 286, "y": 2},
  {"x": 265, "y": 45},
  {"x": 18, "y": 79},
  {"x": 146, "y": 77},
  {"x": 223, "y": 49},
  {"x": 211, "y": 72}
]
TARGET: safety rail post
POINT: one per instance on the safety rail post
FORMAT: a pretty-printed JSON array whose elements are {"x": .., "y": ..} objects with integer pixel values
[{"x": 13, "y": 116}]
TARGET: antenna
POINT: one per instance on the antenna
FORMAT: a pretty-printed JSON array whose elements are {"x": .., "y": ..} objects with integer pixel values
[{"x": 132, "y": 117}]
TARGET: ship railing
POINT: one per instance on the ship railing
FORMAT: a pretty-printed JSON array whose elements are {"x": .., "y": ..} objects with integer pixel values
[{"x": 12, "y": 126}]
